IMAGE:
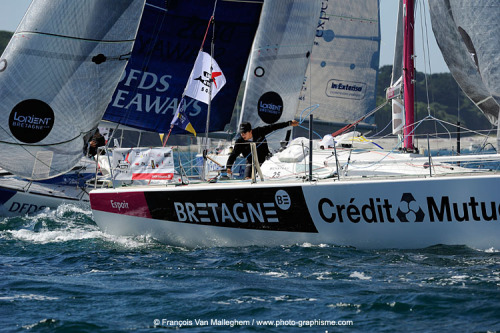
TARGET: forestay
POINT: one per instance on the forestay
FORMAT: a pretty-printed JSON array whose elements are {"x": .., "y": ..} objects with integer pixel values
[
  {"x": 57, "y": 76},
  {"x": 278, "y": 62},
  {"x": 167, "y": 45},
  {"x": 342, "y": 73}
]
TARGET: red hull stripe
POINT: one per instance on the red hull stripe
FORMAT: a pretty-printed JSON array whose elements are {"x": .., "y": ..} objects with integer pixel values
[{"x": 127, "y": 203}]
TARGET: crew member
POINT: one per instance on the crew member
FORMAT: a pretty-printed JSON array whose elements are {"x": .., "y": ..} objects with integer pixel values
[
  {"x": 95, "y": 142},
  {"x": 257, "y": 135}
]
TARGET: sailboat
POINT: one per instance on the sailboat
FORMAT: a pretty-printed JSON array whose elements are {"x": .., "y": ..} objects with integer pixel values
[
  {"x": 57, "y": 76},
  {"x": 369, "y": 212},
  {"x": 362, "y": 157}
]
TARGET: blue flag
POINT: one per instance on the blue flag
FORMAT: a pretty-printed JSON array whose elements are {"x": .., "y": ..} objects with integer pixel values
[{"x": 180, "y": 119}]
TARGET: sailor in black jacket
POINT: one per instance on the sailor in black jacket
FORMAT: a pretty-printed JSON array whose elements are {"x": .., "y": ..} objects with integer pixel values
[{"x": 257, "y": 135}]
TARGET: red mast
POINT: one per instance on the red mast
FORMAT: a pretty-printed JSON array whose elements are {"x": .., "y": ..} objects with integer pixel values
[{"x": 409, "y": 73}]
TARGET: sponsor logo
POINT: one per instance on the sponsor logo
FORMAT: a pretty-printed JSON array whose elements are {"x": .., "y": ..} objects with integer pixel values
[
  {"x": 409, "y": 210},
  {"x": 283, "y": 200},
  {"x": 321, "y": 32},
  {"x": 24, "y": 208},
  {"x": 150, "y": 93},
  {"x": 205, "y": 80},
  {"x": 270, "y": 107},
  {"x": 472, "y": 210},
  {"x": 206, "y": 212},
  {"x": 31, "y": 121},
  {"x": 119, "y": 205},
  {"x": 209, "y": 212},
  {"x": 345, "y": 89},
  {"x": 379, "y": 210}
]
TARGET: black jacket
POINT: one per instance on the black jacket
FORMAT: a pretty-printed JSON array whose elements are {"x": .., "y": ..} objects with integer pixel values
[{"x": 259, "y": 137}]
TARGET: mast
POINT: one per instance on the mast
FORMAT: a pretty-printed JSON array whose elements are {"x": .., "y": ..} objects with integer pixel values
[{"x": 409, "y": 73}]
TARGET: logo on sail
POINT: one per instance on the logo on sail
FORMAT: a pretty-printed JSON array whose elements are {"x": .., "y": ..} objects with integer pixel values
[
  {"x": 31, "y": 121},
  {"x": 270, "y": 107},
  {"x": 345, "y": 89}
]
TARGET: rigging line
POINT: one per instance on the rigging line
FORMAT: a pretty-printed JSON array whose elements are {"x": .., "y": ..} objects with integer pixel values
[
  {"x": 451, "y": 124},
  {"x": 312, "y": 107},
  {"x": 381, "y": 131},
  {"x": 426, "y": 51},
  {"x": 345, "y": 128},
  {"x": 350, "y": 152},
  {"x": 314, "y": 132},
  {"x": 426, "y": 56},
  {"x": 210, "y": 21}
]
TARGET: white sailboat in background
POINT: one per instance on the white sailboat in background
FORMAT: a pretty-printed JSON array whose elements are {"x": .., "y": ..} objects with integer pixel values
[
  {"x": 57, "y": 76},
  {"x": 369, "y": 212}
]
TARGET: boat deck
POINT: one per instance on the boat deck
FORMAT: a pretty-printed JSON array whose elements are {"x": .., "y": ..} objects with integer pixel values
[
  {"x": 67, "y": 192},
  {"x": 297, "y": 181}
]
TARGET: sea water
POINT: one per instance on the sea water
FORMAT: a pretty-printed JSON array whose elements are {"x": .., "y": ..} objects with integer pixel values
[{"x": 60, "y": 273}]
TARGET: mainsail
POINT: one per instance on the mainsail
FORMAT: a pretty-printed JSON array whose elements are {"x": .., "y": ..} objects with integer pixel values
[
  {"x": 342, "y": 73},
  {"x": 57, "y": 76},
  {"x": 278, "y": 62},
  {"x": 467, "y": 33},
  {"x": 167, "y": 45}
]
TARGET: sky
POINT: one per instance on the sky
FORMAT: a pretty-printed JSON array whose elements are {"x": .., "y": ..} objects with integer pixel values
[{"x": 13, "y": 10}]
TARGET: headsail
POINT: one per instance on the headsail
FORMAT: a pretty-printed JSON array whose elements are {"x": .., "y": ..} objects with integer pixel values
[
  {"x": 279, "y": 59},
  {"x": 344, "y": 63},
  {"x": 167, "y": 45},
  {"x": 57, "y": 76},
  {"x": 467, "y": 33}
]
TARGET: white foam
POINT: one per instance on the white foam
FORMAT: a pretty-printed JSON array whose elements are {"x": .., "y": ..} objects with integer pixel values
[
  {"x": 323, "y": 276},
  {"x": 55, "y": 236},
  {"x": 345, "y": 305},
  {"x": 459, "y": 277},
  {"x": 360, "y": 275},
  {"x": 491, "y": 250},
  {"x": 64, "y": 229},
  {"x": 277, "y": 274},
  {"x": 28, "y": 297}
]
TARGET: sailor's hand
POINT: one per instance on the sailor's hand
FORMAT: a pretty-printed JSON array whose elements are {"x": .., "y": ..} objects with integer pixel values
[{"x": 294, "y": 123}]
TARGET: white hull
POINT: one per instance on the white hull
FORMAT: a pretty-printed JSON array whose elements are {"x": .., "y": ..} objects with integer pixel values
[
  {"x": 412, "y": 213},
  {"x": 19, "y": 197}
]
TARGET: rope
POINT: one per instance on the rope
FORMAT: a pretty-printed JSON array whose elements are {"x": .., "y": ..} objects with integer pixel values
[{"x": 345, "y": 128}]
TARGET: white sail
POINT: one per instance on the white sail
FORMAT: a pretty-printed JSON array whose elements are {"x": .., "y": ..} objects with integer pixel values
[
  {"x": 57, "y": 76},
  {"x": 278, "y": 61},
  {"x": 344, "y": 63},
  {"x": 467, "y": 33}
]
